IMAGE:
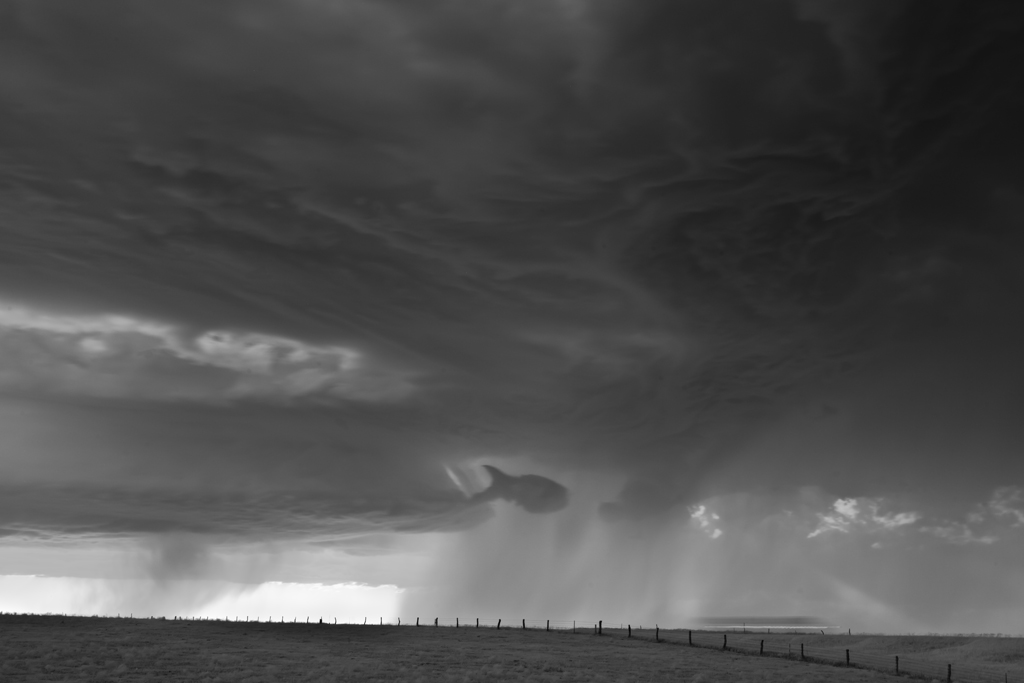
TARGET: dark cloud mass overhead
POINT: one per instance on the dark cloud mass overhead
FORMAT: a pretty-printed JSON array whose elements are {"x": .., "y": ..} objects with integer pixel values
[
  {"x": 531, "y": 492},
  {"x": 669, "y": 274}
]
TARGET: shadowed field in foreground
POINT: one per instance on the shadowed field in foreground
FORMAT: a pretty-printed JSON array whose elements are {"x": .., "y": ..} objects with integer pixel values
[
  {"x": 980, "y": 653},
  {"x": 78, "y": 648},
  {"x": 967, "y": 659}
]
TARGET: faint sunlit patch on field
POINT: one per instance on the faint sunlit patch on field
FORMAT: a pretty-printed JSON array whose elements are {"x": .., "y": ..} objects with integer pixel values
[{"x": 272, "y": 600}]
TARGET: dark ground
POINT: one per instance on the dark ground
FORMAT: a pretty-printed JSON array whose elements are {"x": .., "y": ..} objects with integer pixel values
[{"x": 53, "y": 648}]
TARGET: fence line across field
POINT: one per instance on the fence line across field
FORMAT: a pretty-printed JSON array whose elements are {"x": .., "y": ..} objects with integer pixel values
[
  {"x": 751, "y": 644},
  {"x": 747, "y": 642}
]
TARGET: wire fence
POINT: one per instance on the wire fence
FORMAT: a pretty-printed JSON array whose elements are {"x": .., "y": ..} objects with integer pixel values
[
  {"x": 747, "y": 643},
  {"x": 579, "y": 626},
  {"x": 752, "y": 644}
]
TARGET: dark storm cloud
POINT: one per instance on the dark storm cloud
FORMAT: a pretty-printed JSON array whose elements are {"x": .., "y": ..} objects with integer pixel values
[
  {"x": 631, "y": 237},
  {"x": 531, "y": 492},
  {"x": 59, "y": 513}
]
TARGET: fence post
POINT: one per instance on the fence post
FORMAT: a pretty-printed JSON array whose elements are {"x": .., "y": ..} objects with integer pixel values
[
  {"x": 600, "y": 627},
  {"x": 897, "y": 665},
  {"x": 801, "y": 650},
  {"x": 399, "y": 621},
  {"x": 574, "y": 626},
  {"x": 949, "y": 673},
  {"x": 725, "y": 641},
  {"x": 630, "y": 633},
  {"x": 435, "y": 621},
  {"x": 478, "y": 622},
  {"x": 548, "y": 626},
  {"x": 657, "y": 637},
  {"x": 499, "y": 624},
  {"x": 847, "y": 658},
  {"x": 417, "y": 621},
  {"x": 456, "y": 622},
  {"x": 762, "y": 648},
  {"x": 689, "y": 638}
]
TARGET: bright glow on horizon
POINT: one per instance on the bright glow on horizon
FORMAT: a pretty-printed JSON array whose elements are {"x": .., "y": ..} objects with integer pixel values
[{"x": 272, "y": 600}]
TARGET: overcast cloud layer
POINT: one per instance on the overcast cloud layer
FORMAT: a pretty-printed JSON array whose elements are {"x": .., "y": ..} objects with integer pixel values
[{"x": 689, "y": 274}]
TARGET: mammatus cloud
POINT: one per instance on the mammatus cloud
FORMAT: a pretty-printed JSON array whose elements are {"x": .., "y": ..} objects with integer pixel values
[{"x": 531, "y": 492}]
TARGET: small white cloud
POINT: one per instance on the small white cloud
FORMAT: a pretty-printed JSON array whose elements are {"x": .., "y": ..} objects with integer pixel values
[
  {"x": 847, "y": 507},
  {"x": 847, "y": 515},
  {"x": 830, "y": 523},
  {"x": 1008, "y": 501},
  {"x": 876, "y": 545},
  {"x": 93, "y": 346},
  {"x": 698, "y": 514},
  {"x": 958, "y": 534},
  {"x": 975, "y": 517},
  {"x": 704, "y": 518},
  {"x": 895, "y": 520}
]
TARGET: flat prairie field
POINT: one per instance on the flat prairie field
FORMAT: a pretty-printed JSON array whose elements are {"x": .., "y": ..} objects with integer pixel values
[
  {"x": 54, "y": 648},
  {"x": 974, "y": 656}
]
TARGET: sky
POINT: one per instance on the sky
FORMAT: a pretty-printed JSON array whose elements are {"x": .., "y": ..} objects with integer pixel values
[{"x": 550, "y": 309}]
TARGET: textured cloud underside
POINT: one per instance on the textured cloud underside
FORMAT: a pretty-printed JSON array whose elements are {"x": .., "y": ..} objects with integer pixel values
[{"x": 700, "y": 248}]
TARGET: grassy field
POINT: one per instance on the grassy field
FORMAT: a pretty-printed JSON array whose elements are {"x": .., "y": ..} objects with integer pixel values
[
  {"x": 972, "y": 657},
  {"x": 1002, "y": 654},
  {"x": 46, "y": 648}
]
